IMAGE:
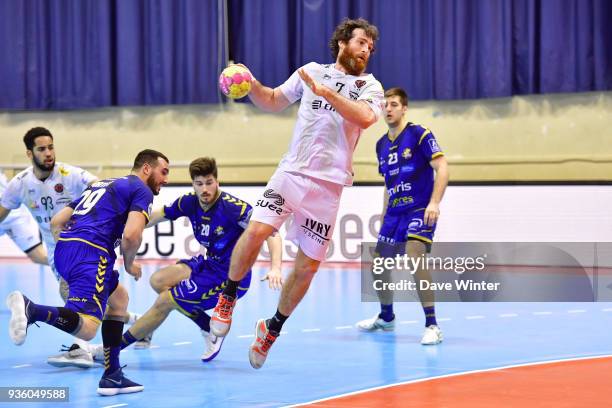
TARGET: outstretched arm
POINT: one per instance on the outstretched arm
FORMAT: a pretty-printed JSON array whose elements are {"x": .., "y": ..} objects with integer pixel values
[
  {"x": 157, "y": 216},
  {"x": 274, "y": 276},
  {"x": 59, "y": 220},
  {"x": 266, "y": 98},
  {"x": 357, "y": 112}
]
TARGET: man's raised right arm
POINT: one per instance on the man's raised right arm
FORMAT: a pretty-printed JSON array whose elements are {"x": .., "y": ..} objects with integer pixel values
[{"x": 266, "y": 98}]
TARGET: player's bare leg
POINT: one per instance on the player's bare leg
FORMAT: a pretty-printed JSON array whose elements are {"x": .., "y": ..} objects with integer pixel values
[
  {"x": 432, "y": 334},
  {"x": 79, "y": 353},
  {"x": 153, "y": 317},
  {"x": 169, "y": 276},
  {"x": 385, "y": 320},
  {"x": 113, "y": 381},
  {"x": 295, "y": 287},
  {"x": 243, "y": 257},
  {"x": 38, "y": 255}
]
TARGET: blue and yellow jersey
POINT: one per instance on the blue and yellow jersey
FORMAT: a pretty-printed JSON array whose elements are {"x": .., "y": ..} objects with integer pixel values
[
  {"x": 404, "y": 163},
  {"x": 216, "y": 229},
  {"x": 100, "y": 213}
]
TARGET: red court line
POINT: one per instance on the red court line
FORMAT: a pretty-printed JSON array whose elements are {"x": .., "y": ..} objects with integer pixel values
[{"x": 562, "y": 384}]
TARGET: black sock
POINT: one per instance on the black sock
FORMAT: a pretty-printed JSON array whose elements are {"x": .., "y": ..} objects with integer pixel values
[
  {"x": 275, "y": 324},
  {"x": 111, "y": 339},
  {"x": 202, "y": 320},
  {"x": 67, "y": 320},
  {"x": 231, "y": 289}
]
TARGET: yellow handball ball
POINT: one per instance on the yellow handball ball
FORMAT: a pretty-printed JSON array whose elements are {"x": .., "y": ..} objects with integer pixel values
[{"x": 235, "y": 82}]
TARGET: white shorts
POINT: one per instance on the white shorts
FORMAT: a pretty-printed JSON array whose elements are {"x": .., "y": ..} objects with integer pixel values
[
  {"x": 22, "y": 229},
  {"x": 314, "y": 204}
]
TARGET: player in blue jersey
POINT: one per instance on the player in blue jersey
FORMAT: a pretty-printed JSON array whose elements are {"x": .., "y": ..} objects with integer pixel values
[
  {"x": 408, "y": 155},
  {"x": 110, "y": 212},
  {"x": 192, "y": 286}
]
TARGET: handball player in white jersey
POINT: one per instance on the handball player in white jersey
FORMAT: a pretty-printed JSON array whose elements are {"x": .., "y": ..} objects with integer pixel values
[
  {"x": 21, "y": 228},
  {"x": 338, "y": 101}
]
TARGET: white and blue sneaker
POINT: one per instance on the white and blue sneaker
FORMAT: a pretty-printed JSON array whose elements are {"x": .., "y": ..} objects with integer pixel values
[
  {"x": 376, "y": 323},
  {"x": 144, "y": 343},
  {"x": 73, "y": 356},
  {"x": 115, "y": 383},
  {"x": 432, "y": 336},
  {"x": 212, "y": 346},
  {"x": 18, "y": 304}
]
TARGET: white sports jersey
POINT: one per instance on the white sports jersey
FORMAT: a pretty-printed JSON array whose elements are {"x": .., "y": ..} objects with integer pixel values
[
  {"x": 13, "y": 215},
  {"x": 323, "y": 141},
  {"x": 46, "y": 198}
]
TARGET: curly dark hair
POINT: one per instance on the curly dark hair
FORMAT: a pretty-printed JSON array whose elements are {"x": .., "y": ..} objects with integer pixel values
[
  {"x": 32, "y": 134},
  {"x": 344, "y": 32}
]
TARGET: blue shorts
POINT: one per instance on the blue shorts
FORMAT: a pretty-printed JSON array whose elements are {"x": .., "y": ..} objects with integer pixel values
[
  {"x": 89, "y": 273},
  {"x": 200, "y": 292},
  {"x": 400, "y": 228}
]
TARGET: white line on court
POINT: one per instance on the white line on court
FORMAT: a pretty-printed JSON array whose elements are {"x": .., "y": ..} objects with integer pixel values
[
  {"x": 343, "y": 327},
  {"x": 114, "y": 406},
  {"x": 474, "y": 317},
  {"x": 408, "y": 321},
  {"x": 576, "y": 311},
  {"x": 246, "y": 336},
  {"x": 444, "y": 319},
  {"x": 541, "y": 313},
  {"x": 508, "y": 315},
  {"x": 310, "y": 330},
  {"x": 181, "y": 343},
  {"x": 22, "y": 365}
]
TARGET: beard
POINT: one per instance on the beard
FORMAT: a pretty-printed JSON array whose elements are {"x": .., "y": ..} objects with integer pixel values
[
  {"x": 42, "y": 166},
  {"x": 353, "y": 65},
  {"x": 152, "y": 185}
]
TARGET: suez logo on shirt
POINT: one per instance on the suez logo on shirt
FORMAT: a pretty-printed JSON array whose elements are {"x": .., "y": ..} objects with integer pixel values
[{"x": 277, "y": 201}]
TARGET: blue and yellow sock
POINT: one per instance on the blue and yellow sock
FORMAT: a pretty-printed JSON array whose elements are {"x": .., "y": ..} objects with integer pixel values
[
  {"x": 430, "y": 316},
  {"x": 386, "y": 312}
]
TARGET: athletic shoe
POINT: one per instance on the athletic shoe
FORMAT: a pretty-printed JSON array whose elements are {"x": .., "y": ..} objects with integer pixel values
[
  {"x": 73, "y": 356},
  {"x": 264, "y": 338},
  {"x": 212, "y": 346},
  {"x": 376, "y": 323},
  {"x": 18, "y": 304},
  {"x": 144, "y": 343},
  {"x": 432, "y": 335},
  {"x": 132, "y": 317},
  {"x": 221, "y": 319},
  {"x": 115, "y": 383},
  {"x": 97, "y": 352}
]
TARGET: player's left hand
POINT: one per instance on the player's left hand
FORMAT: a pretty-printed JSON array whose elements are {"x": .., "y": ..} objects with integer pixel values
[
  {"x": 135, "y": 270},
  {"x": 274, "y": 278},
  {"x": 432, "y": 213},
  {"x": 316, "y": 87}
]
